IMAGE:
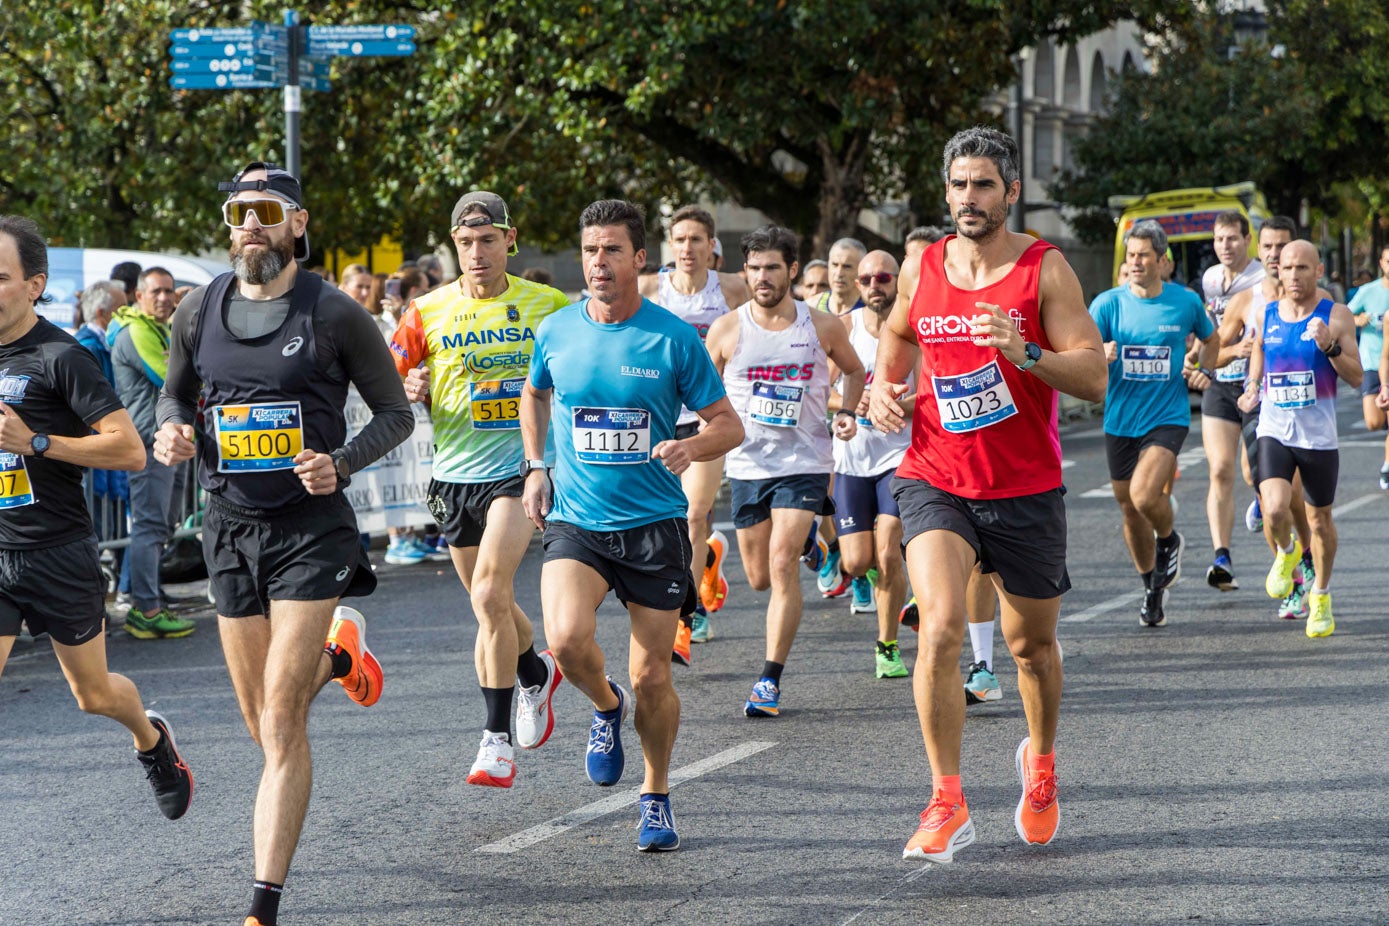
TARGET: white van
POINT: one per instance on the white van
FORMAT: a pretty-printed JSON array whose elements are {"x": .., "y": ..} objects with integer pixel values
[{"x": 72, "y": 270}]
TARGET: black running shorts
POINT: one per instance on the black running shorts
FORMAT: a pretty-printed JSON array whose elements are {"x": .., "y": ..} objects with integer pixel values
[
  {"x": 306, "y": 552},
  {"x": 1022, "y": 539},
  {"x": 56, "y": 590},
  {"x": 1123, "y": 452},
  {"x": 859, "y": 500},
  {"x": 647, "y": 565},
  {"x": 1219, "y": 401},
  {"x": 461, "y": 507},
  {"x": 1320, "y": 469}
]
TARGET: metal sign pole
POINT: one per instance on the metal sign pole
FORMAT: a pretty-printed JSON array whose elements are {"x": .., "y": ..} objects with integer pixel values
[{"x": 293, "y": 93}]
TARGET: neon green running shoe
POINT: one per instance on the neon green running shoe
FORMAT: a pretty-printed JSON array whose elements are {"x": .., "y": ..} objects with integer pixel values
[
  {"x": 1320, "y": 623},
  {"x": 162, "y": 623},
  {"x": 889, "y": 661},
  {"x": 1280, "y": 575}
]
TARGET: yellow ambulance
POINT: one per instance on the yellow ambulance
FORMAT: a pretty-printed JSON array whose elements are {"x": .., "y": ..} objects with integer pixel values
[{"x": 1188, "y": 217}]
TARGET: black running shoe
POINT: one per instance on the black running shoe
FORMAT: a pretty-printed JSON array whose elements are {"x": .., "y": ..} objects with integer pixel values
[
  {"x": 167, "y": 772},
  {"x": 1221, "y": 574},
  {"x": 1151, "y": 614},
  {"x": 1167, "y": 561}
]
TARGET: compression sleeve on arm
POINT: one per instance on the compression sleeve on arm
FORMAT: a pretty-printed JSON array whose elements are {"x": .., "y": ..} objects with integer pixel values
[{"x": 178, "y": 400}]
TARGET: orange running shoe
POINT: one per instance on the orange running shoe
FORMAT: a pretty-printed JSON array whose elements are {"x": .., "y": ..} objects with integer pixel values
[
  {"x": 713, "y": 587},
  {"x": 1038, "y": 812},
  {"x": 349, "y": 632},
  {"x": 681, "y": 652},
  {"x": 945, "y": 829}
]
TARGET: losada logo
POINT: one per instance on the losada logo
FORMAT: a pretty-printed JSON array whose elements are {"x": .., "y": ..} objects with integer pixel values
[{"x": 293, "y": 346}]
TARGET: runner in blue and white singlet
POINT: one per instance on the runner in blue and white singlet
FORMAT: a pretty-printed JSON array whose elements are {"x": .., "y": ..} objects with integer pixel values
[{"x": 1305, "y": 344}]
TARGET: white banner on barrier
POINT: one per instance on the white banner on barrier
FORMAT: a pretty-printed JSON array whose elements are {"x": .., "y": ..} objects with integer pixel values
[{"x": 391, "y": 491}]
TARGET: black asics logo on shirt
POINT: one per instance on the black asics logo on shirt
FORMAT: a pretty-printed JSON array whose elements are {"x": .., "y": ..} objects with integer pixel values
[{"x": 293, "y": 346}]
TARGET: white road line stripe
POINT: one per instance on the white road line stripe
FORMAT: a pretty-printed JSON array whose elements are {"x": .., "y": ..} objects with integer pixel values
[
  {"x": 582, "y": 815},
  {"x": 1104, "y": 607},
  {"x": 1360, "y": 502},
  {"x": 905, "y": 879}
]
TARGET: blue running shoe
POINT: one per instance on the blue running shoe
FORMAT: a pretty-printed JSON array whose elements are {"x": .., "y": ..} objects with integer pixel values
[
  {"x": 981, "y": 685},
  {"x": 1254, "y": 517},
  {"x": 830, "y": 579},
  {"x": 764, "y": 700},
  {"x": 656, "y": 828},
  {"x": 604, "y": 760},
  {"x": 863, "y": 602},
  {"x": 1221, "y": 574}
]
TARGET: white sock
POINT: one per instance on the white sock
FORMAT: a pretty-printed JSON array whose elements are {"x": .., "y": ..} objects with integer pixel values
[
  {"x": 981, "y": 638},
  {"x": 1289, "y": 547},
  {"x": 1321, "y": 591}
]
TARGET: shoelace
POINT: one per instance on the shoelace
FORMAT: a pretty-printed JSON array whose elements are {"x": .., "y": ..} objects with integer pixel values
[
  {"x": 764, "y": 691},
  {"x": 159, "y": 769},
  {"x": 655, "y": 816},
  {"x": 600, "y": 735},
  {"x": 530, "y": 701},
  {"x": 1042, "y": 793},
  {"x": 937, "y": 813}
]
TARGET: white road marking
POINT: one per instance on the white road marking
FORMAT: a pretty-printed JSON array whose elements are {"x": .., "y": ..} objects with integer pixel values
[
  {"x": 904, "y": 880},
  {"x": 590, "y": 812},
  {"x": 1104, "y": 607},
  {"x": 1360, "y": 502}
]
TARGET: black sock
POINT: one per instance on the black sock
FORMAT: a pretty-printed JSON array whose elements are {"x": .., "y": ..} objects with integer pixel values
[
  {"x": 772, "y": 670},
  {"x": 1148, "y": 579},
  {"x": 265, "y": 902},
  {"x": 498, "y": 701},
  {"x": 530, "y": 669},
  {"x": 1222, "y": 551},
  {"x": 1307, "y": 557},
  {"x": 1170, "y": 539},
  {"x": 834, "y": 546},
  {"x": 342, "y": 660}
]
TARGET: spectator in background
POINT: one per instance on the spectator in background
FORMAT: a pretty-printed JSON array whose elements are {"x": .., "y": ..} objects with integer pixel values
[
  {"x": 127, "y": 273},
  {"x": 107, "y": 487},
  {"x": 356, "y": 282},
  {"x": 400, "y": 287},
  {"x": 376, "y": 293},
  {"x": 538, "y": 275},
  {"x": 432, "y": 267},
  {"x": 139, "y": 341},
  {"x": 716, "y": 260}
]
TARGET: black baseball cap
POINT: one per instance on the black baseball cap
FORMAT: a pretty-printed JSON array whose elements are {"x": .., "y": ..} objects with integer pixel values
[
  {"x": 278, "y": 181},
  {"x": 490, "y": 203}
]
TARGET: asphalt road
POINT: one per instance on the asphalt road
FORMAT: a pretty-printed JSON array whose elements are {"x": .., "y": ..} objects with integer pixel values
[{"x": 1223, "y": 769}]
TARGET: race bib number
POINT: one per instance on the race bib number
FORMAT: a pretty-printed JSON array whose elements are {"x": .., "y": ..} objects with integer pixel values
[
  {"x": 778, "y": 406},
  {"x": 1147, "y": 364},
  {"x": 257, "y": 438},
  {"x": 1233, "y": 372},
  {"x": 15, "y": 490},
  {"x": 1297, "y": 389},
  {"x": 612, "y": 435},
  {"x": 496, "y": 405},
  {"x": 973, "y": 400}
]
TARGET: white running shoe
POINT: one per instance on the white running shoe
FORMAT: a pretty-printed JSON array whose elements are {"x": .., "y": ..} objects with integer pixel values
[
  {"x": 495, "y": 766},
  {"x": 534, "y": 719}
]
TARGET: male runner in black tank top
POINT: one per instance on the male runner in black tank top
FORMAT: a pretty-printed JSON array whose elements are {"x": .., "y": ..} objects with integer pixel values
[
  {"x": 58, "y": 414},
  {"x": 273, "y": 352}
]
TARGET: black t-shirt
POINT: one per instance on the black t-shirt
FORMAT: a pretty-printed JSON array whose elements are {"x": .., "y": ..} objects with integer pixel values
[{"x": 56, "y": 387}]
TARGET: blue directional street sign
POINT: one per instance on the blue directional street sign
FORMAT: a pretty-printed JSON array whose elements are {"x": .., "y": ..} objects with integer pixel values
[
  {"x": 214, "y": 36},
  {"x": 313, "y": 67},
  {"x": 242, "y": 81},
  {"x": 361, "y": 40},
  {"x": 356, "y": 48}
]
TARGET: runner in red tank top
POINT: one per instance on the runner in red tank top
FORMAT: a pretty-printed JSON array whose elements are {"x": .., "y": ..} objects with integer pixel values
[{"x": 1000, "y": 323}]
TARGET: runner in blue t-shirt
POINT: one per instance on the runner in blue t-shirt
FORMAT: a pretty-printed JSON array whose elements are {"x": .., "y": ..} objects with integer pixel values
[
  {"x": 1145, "y": 324},
  {"x": 1369, "y": 306},
  {"x": 619, "y": 368}
]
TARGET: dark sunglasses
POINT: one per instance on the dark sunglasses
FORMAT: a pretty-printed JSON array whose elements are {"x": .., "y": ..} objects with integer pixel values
[{"x": 882, "y": 278}]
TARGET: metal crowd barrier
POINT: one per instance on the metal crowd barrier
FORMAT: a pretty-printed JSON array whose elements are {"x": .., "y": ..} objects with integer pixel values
[{"x": 111, "y": 514}]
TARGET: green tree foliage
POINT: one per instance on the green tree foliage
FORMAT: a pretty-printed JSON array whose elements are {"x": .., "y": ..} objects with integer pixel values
[
  {"x": 806, "y": 109},
  {"x": 1307, "y": 122}
]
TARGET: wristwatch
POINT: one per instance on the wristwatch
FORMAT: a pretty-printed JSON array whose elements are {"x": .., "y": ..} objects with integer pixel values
[
  {"x": 527, "y": 466},
  {"x": 341, "y": 468},
  {"x": 39, "y": 444},
  {"x": 1034, "y": 353},
  {"x": 1334, "y": 350}
]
